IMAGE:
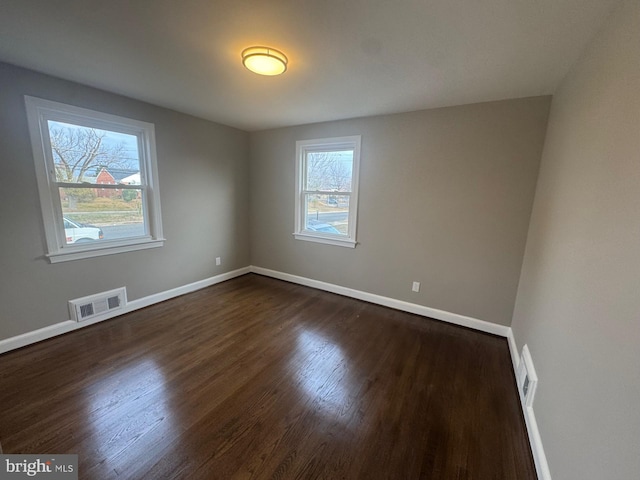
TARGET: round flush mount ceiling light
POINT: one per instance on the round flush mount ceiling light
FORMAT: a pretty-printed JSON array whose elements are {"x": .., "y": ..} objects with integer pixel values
[{"x": 264, "y": 60}]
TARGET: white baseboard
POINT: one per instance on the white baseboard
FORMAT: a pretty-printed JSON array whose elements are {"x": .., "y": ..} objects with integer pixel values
[
  {"x": 69, "y": 325},
  {"x": 539, "y": 457},
  {"x": 448, "y": 317},
  {"x": 513, "y": 350},
  {"x": 191, "y": 287},
  {"x": 28, "y": 338}
]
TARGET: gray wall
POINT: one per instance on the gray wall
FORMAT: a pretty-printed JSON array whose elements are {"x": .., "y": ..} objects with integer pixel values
[
  {"x": 203, "y": 172},
  {"x": 445, "y": 199},
  {"x": 578, "y": 305}
]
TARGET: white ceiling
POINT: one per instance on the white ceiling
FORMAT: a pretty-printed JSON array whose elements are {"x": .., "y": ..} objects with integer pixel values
[{"x": 347, "y": 58}]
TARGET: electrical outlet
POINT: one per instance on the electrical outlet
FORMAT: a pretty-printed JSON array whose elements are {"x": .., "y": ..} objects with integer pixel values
[
  {"x": 218, "y": 260},
  {"x": 416, "y": 287}
]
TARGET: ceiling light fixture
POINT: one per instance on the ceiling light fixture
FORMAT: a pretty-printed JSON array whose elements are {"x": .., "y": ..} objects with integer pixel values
[{"x": 264, "y": 60}]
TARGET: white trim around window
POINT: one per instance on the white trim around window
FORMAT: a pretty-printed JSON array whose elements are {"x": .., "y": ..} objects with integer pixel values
[
  {"x": 326, "y": 205},
  {"x": 60, "y": 246}
]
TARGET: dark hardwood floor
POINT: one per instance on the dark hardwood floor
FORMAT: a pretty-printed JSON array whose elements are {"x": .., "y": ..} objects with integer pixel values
[{"x": 262, "y": 379}]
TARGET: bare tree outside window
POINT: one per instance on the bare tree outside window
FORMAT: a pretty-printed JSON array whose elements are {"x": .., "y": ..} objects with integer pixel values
[
  {"x": 79, "y": 151},
  {"x": 329, "y": 171}
]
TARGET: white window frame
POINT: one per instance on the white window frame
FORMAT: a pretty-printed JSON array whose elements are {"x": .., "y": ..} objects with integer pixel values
[
  {"x": 303, "y": 147},
  {"x": 39, "y": 112}
]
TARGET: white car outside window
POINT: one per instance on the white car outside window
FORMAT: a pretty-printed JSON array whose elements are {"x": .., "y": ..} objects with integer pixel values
[{"x": 77, "y": 232}]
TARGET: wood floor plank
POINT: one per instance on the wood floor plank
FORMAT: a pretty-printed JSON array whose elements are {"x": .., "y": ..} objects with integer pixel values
[{"x": 257, "y": 378}]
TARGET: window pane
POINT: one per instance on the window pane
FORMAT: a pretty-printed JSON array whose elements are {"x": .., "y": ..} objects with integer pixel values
[
  {"x": 327, "y": 214},
  {"x": 329, "y": 171},
  {"x": 117, "y": 213},
  {"x": 82, "y": 154}
]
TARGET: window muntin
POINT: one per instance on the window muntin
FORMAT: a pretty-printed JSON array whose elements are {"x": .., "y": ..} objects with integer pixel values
[
  {"x": 99, "y": 172},
  {"x": 326, "y": 190}
]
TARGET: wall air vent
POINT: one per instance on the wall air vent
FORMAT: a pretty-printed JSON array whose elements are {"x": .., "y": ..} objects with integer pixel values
[
  {"x": 101, "y": 305},
  {"x": 526, "y": 378}
]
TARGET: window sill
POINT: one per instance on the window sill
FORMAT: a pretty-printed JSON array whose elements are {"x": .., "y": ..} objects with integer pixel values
[
  {"x": 326, "y": 240},
  {"x": 79, "y": 253}
]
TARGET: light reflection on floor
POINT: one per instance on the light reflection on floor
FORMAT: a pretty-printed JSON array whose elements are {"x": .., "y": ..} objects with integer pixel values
[
  {"x": 128, "y": 409},
  {"x": 322, "y": 371}
]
